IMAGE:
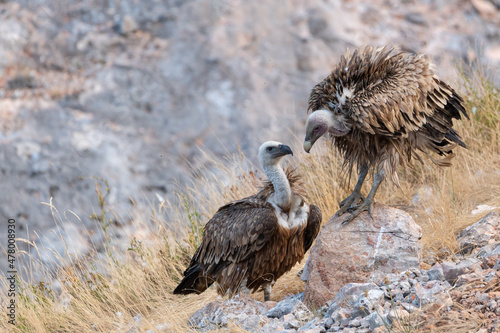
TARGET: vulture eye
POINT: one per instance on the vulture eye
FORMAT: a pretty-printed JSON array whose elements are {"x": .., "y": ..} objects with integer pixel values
[
  {"x": 269, "y": 148},
  {"x": 316, "y": 129}
]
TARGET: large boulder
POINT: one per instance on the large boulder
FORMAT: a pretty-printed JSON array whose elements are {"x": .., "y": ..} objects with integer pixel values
[{"x": 362, "y": 251}]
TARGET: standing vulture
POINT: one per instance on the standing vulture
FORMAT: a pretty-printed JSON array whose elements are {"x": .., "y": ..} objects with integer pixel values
[
  {"x": 382, "y": 107},
  {"x": 253, "y": 241}
]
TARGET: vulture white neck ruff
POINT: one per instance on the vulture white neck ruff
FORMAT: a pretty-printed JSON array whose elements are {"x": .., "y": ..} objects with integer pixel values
[{"x": 297, "y": 216}]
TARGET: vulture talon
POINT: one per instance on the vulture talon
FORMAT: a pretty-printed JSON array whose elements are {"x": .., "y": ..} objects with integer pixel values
[
  {"x": 351, "y": 201},
  {"x": 366, "y": 205}
]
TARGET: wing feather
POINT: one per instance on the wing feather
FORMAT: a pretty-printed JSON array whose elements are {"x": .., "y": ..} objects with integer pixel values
[{"x": 236, "y": 232}]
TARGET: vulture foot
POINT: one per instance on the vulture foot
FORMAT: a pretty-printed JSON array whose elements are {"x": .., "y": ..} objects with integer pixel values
[
  {"x": 366, "y": 205},
  {"x": 350, "y": 202}
]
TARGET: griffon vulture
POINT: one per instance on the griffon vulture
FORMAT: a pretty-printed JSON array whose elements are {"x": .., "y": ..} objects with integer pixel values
[
  {"x": 253, "y": 241},
  {"x": 382, "y": 107}
]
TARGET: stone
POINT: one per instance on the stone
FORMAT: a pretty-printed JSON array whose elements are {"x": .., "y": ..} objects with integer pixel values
[
  {"x": 285, "y": 306},
  {"x": 356, "y": 322},
  {"x": 341, "y": 314},
  {"x": 291, "y": 323},
  {"x": 436, "y": 272},
  {"x": 398, "y": 315},
  {"x": 490, "y": 251},
  {"x": 242, "y": 311},
  {"x": 452, "y": 270},
  {"x": 311, "y": 330},
  {"x": 376, "y": 320},
  {"x": 485, "y": 8},
  {"x": 328, "y": 323},
  {"x": 311, "y": 324},
  {"x": 347, "y": 296},
  {"x": 480, "y": 233},
  {"x": 349, "y": 330},
  {"x": 367, "y": 302},
  {"x": 128, "y": 25},
  {"x": 430, "y": 293},
  {"x": 365, "y": 250},
  {"x": 482, "y": 298},
  {"x": 380, "y": 329},
  {"x": 273, "y": 326}
]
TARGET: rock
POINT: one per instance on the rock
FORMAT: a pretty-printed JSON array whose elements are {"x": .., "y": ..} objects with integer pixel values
[
  {"x": 356, "y": 322},
  {"x": 243, "y": 311},
  {"x": 341, "y": 314},
  {"x": 311, "y": 330},
  {"x": 482, "y": 298},
  {"x": 436, "y": 272},
  {"x": 490, "y": 250},
  {"x": 302, "y": 313},
  {"x": 362, "y": 251},
  {"x": 380, "y": 329},
  {"x": 376, "y": 320},
  {"x": 367, "y": 302},
  {"x": 430, "y": 292},
  {"x": 349, "y": 330},
  {"x": 485, "y": 8},
  {"x": 408, "y": 307},
  {"x": 452, "y": 271},
  {"x": 480, "y": 233},
  {"x": 285, "y": 306},
  {"x": 347, "y": 296},
  {"x": 274, "y": 326},
  {"x": 128, "y": 25},
  {"x": 400, "y": 315},
  {"x": 311, "y": 324}
]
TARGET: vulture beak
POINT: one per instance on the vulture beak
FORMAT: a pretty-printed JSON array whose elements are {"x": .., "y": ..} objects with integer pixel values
[
  {"x": 308, "y": 143},
  {"x": 307, "y": 146},
  {"x": 285, "y": 150}
]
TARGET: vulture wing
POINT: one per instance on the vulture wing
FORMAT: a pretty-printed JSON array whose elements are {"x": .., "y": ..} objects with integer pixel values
[
  {"x": 234, "y": 234},
  {"x": 236, "y": 231},
  {"x": 313, "y": 226},
  {"x": 394, "y": 93}
]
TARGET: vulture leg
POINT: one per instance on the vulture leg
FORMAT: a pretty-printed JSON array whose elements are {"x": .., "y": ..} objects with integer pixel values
[
  {"x": 367, "y": 204},
  {"x": 355, "y": 197},
  {"x": 267, "y": 287}
]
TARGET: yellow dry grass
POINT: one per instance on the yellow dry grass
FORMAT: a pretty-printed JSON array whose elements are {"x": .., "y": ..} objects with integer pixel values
[{"x": 103, "y": 292}]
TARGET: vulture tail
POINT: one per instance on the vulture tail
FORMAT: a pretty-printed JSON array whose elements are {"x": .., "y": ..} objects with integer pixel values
[{"x": 193, "y": 282}]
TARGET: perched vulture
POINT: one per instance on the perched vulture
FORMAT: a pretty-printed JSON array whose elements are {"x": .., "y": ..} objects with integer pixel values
[
  {"x": 253, "y": 241},
  {"x": 382, "y": 107}
]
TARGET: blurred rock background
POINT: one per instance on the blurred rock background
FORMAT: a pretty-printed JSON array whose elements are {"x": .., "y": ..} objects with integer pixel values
[{"x": 127, "y": 90}]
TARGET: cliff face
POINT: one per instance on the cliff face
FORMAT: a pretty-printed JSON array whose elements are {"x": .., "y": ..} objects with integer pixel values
[{"x": 127, "y": 91}]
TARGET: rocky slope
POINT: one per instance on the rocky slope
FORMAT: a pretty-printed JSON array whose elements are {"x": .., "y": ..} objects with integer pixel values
[
  {"x": 127, "y": 91},
  {"x": 461, "y": 293}
]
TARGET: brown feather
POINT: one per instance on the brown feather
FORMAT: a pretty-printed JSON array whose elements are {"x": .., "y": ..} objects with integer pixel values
[{"x": 397, "y": 108}]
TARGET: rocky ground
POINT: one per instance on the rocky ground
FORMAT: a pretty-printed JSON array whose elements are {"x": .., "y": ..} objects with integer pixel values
[
  {"x": 461, "y": 294},
  {"x": 127, "y": 91}
]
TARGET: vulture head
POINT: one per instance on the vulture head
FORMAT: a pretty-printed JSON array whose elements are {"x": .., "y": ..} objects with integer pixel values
[
  {"x": 321, "y": 122},
  {"x": 271, "y": 152}
]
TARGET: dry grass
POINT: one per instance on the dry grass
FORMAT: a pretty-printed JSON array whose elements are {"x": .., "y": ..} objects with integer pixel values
[{"x": 106, "y": 290}]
